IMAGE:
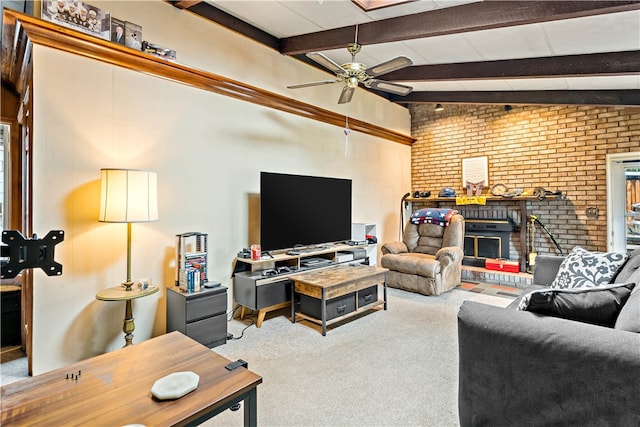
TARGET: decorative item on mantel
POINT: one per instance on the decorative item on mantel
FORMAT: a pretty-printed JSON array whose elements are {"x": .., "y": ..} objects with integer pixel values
[{"x": 471, "y": 200}]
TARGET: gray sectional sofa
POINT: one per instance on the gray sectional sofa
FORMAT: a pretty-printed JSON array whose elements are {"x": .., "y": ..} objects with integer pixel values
[{"x": 520, "y": 368}]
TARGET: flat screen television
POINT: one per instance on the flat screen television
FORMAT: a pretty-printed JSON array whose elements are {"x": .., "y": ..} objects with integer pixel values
[{"x": 303, "y": 210}]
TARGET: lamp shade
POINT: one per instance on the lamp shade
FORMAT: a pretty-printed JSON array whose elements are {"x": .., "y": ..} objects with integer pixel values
[{"x": 128, "y": 195}]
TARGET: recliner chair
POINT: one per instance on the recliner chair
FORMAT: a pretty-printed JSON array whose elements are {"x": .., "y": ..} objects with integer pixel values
[{"x": 428, "y": 260}]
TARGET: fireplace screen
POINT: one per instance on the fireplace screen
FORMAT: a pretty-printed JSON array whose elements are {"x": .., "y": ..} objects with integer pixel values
[
  {"x": 486, "y": 239},
  {"x": 483, "y": 247}
]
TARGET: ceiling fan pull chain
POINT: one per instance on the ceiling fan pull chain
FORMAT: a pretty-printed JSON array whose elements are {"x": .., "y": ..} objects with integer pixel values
[{"x": 347, "y": 131}]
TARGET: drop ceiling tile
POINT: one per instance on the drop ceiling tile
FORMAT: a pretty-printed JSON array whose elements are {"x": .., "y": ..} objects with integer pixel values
[
  {"x": 524, "y": 41},
  {"x": 473, "y": 85},
  {"x": 435, "y": 86},
  {"x": 328, "y": 14},
  {"x": 603, "y": 82},
  {"x": 273, "y": 17},
  {"x": 572, "y": 83},
  {"x": 539, "y": 84},
  {"x": 602, "y": 33},
  {"x": 442, "y": 50}
]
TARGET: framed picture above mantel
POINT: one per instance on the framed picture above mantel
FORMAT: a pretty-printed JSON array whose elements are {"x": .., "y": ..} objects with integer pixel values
[{"x": 475, "y": 170}]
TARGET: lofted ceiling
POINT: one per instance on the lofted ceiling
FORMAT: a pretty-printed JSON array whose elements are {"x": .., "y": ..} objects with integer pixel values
[{"x": 491, "y": 52}]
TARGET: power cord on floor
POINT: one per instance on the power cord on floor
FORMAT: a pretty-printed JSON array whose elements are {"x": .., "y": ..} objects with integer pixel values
[
  {"x": 242, "y": 331},
  {"x": 229, "y": 317}
]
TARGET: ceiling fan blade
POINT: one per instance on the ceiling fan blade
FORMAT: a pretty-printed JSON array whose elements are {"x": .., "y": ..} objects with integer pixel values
[
  {"x": 326, "y": 62},
  {"x": 388, "y": 87},
  {"x": 346, "y": 94},
  {"x": 323, "y": 82},
  {"x": 389, "y": 66}
]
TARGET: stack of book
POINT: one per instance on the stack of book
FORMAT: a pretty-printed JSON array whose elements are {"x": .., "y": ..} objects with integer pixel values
[{"x": 190, "y": 280}]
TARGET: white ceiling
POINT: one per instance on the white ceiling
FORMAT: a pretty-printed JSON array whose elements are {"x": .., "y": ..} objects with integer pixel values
[{"x": 613, "y": 32}]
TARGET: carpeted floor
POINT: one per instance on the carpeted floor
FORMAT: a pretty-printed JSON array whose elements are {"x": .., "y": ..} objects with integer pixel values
[{"x": 387, "y": 368}]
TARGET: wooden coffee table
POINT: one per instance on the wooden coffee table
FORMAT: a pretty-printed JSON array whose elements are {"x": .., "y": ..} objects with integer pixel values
[
  {"x": 335, "y": 282},
  {"x": 113, "y": 389}
]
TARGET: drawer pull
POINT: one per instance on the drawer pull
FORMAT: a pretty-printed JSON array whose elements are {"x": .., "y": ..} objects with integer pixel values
[
  {"x": 368, "y": 297},
  {"x": 341, "y": 308}
]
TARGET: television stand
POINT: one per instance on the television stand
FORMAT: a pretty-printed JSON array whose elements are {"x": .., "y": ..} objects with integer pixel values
[{"x": 264, "y": 285}]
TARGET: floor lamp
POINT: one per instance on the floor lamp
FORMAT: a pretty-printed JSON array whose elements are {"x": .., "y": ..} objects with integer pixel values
[{"x": 128, "y": 196}]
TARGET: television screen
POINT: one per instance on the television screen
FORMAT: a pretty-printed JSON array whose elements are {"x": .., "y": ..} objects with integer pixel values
[{"x": 303, "y": 210}]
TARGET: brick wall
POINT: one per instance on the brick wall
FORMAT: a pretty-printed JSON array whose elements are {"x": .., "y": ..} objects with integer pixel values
[{"x": 555, "y": 147}]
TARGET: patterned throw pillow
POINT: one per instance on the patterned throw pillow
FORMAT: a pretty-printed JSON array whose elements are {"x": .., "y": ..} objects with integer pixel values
[{"x": 584, "y": 269}]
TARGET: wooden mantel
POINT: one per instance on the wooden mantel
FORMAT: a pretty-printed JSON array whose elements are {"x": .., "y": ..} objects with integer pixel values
[{"x": 20, "y": 30}]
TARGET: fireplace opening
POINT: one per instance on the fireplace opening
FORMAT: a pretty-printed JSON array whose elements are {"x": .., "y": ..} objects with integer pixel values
[{"x": 486, "y": 238}]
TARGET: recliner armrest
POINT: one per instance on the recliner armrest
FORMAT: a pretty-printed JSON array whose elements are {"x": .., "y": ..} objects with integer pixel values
[
  {"x": 394, "y": 248},
  {"x": 450, "y": 255}
]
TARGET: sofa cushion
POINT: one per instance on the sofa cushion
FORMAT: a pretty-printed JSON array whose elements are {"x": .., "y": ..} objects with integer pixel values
[
  {"x": 629, "y": 317},
  {"x": 630, "y": 271},
  {"x": 584, "y": 269},
  {"x": 599, "y": 306}
]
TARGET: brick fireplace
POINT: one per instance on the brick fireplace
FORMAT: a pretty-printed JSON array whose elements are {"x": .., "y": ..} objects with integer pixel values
[{"x": 557, "y": 147}]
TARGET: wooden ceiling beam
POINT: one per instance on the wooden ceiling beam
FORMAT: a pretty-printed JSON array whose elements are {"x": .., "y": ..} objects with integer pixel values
[
  {"x": 601, "y": 64},
  {"x": 452, "y": 20},
  {"x": 629, "y": 98}
]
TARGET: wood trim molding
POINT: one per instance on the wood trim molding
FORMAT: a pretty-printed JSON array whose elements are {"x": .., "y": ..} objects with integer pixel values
[{"x": 48, "y": 34}]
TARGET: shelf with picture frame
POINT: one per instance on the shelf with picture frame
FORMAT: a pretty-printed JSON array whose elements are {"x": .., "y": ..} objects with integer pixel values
[{"x": 44, "y": 33}]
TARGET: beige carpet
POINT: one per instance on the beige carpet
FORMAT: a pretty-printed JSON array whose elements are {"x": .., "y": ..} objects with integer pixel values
[{"x": 387, "y": 368}]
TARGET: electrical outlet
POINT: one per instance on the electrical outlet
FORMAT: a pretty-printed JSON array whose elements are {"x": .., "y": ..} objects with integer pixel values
[{"x": 592, "y": 212}]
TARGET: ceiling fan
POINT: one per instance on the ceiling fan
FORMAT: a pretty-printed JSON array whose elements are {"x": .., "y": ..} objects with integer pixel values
[{"x": 354, "y": 73}]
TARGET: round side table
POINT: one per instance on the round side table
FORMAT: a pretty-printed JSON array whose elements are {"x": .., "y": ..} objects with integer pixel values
[{"x": 119, "y": 293}]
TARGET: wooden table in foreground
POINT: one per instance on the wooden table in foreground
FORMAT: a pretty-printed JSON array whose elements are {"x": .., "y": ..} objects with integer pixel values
[
  {"x": 114, "y": 389},
  {"x": 330, "y": 283}
]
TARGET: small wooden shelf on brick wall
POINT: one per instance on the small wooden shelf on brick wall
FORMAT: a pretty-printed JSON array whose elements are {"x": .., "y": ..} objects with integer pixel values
[{"x": 522, "y": 201}]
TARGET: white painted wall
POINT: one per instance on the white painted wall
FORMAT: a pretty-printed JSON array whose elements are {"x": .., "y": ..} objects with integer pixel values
[{"x": 208, "y": 151}]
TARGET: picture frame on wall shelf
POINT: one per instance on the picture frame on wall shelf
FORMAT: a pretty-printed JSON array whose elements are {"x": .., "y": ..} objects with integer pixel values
[
  {"x": 79, "y": 16},
  {"x": 117, "y": 31},
  {"x": 133, "y": 35},
  {"x": 475, "y": 170}
]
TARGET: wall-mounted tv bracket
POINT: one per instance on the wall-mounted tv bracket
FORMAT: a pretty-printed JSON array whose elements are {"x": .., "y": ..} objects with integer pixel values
[{"x": 30, "y": 253}]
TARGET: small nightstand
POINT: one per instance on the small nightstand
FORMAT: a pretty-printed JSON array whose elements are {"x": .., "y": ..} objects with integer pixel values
[
  {"x": 199, "y": 315},
  {"x": 119, "y": 293}
]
